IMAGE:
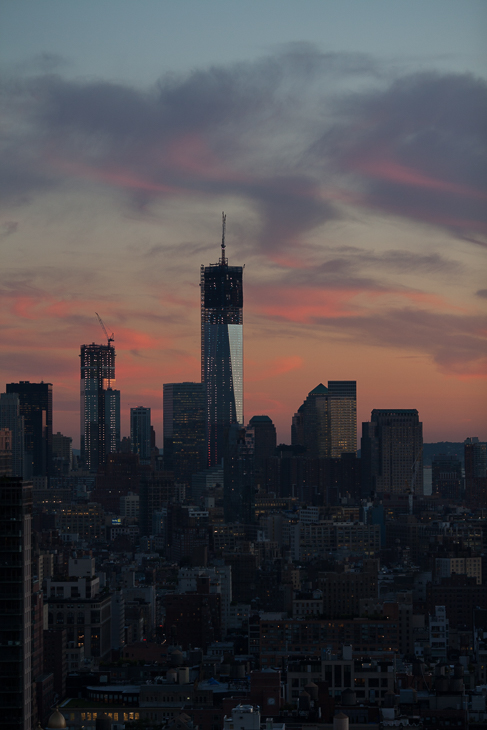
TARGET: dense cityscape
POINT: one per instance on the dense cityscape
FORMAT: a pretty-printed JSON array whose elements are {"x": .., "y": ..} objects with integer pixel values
[{"x": 209, "y": 577}]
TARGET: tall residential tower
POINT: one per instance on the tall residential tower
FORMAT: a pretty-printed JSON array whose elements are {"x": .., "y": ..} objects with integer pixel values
[
  {"x": 100, "y": 405},
  {"x": 221, "y": 350}
]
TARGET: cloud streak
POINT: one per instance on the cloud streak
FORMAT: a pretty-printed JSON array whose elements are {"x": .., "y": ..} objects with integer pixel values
[{"x": 279, "y": 133}]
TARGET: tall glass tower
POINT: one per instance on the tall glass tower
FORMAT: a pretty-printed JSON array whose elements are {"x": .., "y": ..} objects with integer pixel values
[
  {"x": 100, "y": 405},
  {"x": 221, "y": 350}
]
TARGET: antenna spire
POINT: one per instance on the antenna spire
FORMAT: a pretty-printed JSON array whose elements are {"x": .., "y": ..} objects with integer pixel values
[{"x": 224, "y": 225}]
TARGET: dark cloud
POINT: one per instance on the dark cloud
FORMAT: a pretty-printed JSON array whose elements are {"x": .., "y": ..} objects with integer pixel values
[
  {"x": 348, "y": 268},
  {"x": 482, "y": 293},
  {"x": 289, "y": 134},
  {"x": 417, "y": 149},
  {"x": 454, "y": 342}
]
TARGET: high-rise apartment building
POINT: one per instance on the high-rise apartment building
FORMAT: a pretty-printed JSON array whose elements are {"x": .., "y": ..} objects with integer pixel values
[
  {"x": 100, "y": 405},
  {"x": 16, "y": 685},
  {"x": 221, "y": 350},
  {"x": 326, "y": 424},
  {"x": 140, "y": 433},
  {"x": 392, "y": 447},
  {"x": 184, "y": 429},
  {"x": 36, "y": 407},
  {"x": 11, "y": 419}
]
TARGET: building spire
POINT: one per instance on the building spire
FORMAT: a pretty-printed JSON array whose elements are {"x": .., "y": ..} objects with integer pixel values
[{"x": 224, "y": 261}]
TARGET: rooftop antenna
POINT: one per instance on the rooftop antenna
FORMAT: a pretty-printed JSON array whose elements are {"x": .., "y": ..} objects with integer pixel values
[{"x": 224, "y": 225}]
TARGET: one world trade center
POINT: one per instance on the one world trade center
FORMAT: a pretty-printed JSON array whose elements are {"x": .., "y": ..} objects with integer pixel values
[{"x": 221, "y": 350}]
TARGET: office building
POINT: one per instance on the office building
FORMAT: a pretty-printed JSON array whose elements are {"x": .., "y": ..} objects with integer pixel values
[
  {"x": 326, "y": 424},
  {"x": 36, "y": 408},
  {"x": 100, "y": 405},
  {"x": 184, "y": 429},
  {"x": 263, "y": 433},
  {"x": 5, "y": 452},
  {"x": 221, "y": 351},
  {"x": 447, "y": 478},
  {"x": 140, "y": 433},
  {"x": 11, "y": 419},
  {"x": 62, "y": 453},
  {"x": 475, "y": 472},
  {"x": 16, "y": 699},
  {"x": 392, "y": 448}
]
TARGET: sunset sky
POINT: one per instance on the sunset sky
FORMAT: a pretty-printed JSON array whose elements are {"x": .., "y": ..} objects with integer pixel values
[{"x": 346, "y": 142}]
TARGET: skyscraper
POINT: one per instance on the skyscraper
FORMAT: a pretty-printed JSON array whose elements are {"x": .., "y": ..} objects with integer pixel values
[
  {"x": 475, "y": 471},
  {"x": 392, "y": 445},
  {"x": 221, "y": 350},
  {"x": 15, "y": 604},
  {"x": 184, "y": 429},
  {"x": 140, "y": 433},
  {"x": 326, "y": 423},
  {"x": 36, "y": 408},
  {"x": 100, "y": 405},
  {"x": 10, "y": 418}
]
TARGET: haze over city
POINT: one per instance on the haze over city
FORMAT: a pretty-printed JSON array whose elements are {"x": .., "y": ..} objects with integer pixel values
[{"x": 346, "y": 144}]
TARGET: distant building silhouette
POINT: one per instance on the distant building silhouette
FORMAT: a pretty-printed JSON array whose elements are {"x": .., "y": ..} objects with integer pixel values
[
  {"x": 16, "y": 681},
  {"x": 475, "y": 472},
  {"x": 140, "y": 433},
  {"x": 392, "y": 444},
  {"x": 36, "y": 408},
  {"x": 11, "y": 419},
  {"x": 447, "y": 478},
  {"x": 326, "y": 423},
  {"x": 184, "y": 429}
]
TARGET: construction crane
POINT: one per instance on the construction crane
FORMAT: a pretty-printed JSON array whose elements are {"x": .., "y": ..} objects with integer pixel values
[
  {"x": 110, "y": 338},
  {"x": 224, "y": 226}
]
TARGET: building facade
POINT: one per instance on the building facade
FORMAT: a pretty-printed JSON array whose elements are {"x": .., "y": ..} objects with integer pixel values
[
  {"x": 16, "y": 681},
  {"x": 221, "y": 350},
  {"x": 11, "y": 419},
  {"x": 140, "y": 433},
  {"x": 36, "y": 408},
  {"x": 392, "y": 447},
  {"x": 99, "y": 406},
  {"x": 326, "y": 424},
  {"x": 184, "y": 429}
]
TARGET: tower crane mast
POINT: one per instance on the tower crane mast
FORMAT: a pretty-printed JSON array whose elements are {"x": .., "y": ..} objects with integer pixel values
[{"x": 110, "y": 338}]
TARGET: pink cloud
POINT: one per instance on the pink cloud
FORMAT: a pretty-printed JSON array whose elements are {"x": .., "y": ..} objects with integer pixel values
[
  {"x": 388, "y": 169},
  {"x": 277, "y": 366}
]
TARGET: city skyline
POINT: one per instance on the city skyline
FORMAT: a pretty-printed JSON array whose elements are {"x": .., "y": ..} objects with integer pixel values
[{"x": 348, "y": 159}]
